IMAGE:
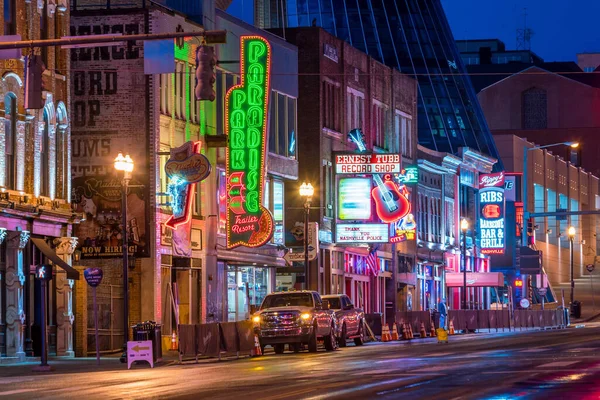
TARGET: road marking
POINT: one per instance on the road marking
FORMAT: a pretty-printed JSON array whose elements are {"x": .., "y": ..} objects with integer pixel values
[
  {"x": 532, "y": 350},
  {"x": 557, "y": 364},
  {"x": 437, "y": 354},
  {"x": 17, "y": 391},
  {"x": 583, "y": 349},
  {"x": 434, "y": 369}
]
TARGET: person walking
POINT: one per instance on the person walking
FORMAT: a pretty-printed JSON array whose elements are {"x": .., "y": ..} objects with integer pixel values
[{"x": 443, "y": 310}]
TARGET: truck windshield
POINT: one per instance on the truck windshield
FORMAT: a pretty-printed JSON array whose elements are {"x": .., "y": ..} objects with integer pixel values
[
  {"x": 287, "y": 299},
  {"x": 334, "y": 303}
]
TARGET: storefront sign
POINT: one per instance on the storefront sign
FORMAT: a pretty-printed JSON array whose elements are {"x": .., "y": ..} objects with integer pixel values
[
  {"x": 354, "y": 199},
  {"x": 362, "y": 233},
  {"x": 475, "y": 279},
  {"x": 404, "y": 229},
  {"x": 408, "y": 175},
  {"x": 249, "y": 223},
  {"x": 491, "y": 213},
  {"x": 391, "y": 203},
  {"x": 185, "y": 168},
  {"x": 367, "y": 163},
  {"x": 93, "y": 276}
]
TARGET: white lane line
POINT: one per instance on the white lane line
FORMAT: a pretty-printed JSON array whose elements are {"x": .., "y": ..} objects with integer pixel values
[
  {"x": 17, "y": 391},
  {"x": 583, "y": 350},
  {"x": 557, "y": 364}
]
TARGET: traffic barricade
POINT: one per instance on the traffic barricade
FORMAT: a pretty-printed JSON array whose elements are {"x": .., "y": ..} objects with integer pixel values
[
  {"x": 187, "y": 341},
  {"x": 375, "y": 323},
  {"x": 208, "y": 339},
  {"x": 471, "y": 319},
  {"x": 483, "y": 319},
  {"x": 229, "y": 339},
  {"x": 493, "y": 319},
  {"x": 245, "y": 334}
]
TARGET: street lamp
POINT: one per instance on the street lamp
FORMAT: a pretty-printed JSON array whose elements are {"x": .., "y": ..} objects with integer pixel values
[
  {"x": 125, "y": 164},
  {"x": 306, "y": 191},
  {"x": 573, "y": 145},
  {"x": 464, "y": 227},
  {"x": 571, "y": 234}
]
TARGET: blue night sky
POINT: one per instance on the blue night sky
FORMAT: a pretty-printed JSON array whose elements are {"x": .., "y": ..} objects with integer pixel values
[{"x": 561, "y": 30}]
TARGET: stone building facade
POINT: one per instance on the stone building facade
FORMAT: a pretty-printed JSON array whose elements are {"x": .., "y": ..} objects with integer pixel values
[{"x": 35, "y": 214}]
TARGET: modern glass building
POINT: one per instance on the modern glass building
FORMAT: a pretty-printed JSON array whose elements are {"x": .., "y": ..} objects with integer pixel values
[{"x": 413, "y": 36}]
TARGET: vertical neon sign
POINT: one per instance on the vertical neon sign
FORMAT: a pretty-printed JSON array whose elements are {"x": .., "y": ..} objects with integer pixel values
[{"x": 246, "y": 106}]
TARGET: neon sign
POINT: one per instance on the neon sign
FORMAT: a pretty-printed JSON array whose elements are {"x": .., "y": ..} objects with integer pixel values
[
  {"x": 390, "y": 204},
  {"x": 491, "y": 213},
  {"x": 246, "y": 105},
  {"x": 367, "y": 163},
  {"x": 185, "y": 168},
  {"x": 404, "y": 229}
]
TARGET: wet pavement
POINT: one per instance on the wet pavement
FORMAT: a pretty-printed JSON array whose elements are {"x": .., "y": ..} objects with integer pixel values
[{"x": 550, "y": 364}]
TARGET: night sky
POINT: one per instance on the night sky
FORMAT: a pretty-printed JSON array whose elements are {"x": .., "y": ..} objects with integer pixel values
[{"x": 561, "y": 29}]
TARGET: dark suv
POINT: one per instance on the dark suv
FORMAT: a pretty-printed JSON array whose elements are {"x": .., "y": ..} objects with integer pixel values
[{"x": 295, "y": 318}]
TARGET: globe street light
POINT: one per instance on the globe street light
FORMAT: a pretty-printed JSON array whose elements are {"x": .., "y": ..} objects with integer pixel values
[
  {"x": 571, "y": 234},
  {"x": 464, "y": 227},
  {"x": 573, "y": 145},
  {"x": 125, "y": 164},
  {"x": 306, "y": 191}
]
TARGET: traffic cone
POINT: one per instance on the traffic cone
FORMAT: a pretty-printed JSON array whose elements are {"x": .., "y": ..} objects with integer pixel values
[
  {"x": 385, "y": 334},
  {"x": 174, "y": 341},
  {"x": 404, "y": 332},
  {"x": 451, "y": 328},
  {"x": 432, "y": 330},
  {"x": 422, "y": 332},
  {"x": 257, "y": 350},
  {"x": 394, "y": 332},
  {"x": 411, "y": 335}
]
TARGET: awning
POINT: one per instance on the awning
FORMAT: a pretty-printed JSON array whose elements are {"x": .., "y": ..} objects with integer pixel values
[
  {"x": 475, "y": 279},
  {"x": 41, "y": 244}
]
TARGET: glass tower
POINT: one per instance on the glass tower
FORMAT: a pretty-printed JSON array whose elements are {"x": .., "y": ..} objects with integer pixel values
[{"x": 412, "y": 36}]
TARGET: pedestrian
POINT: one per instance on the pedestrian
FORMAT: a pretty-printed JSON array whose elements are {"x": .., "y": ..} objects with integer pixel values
[{"x": 443, "y": 310}]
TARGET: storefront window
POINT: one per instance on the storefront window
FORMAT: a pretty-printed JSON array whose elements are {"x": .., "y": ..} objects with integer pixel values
[
  {"x": 246, "y": 289},
  {"x": 278, "y": 211}
]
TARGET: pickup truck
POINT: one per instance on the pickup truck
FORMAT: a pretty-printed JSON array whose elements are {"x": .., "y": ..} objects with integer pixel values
[
  {"x": 350, "y": 320},
  {"x": 295, "y": 318}
]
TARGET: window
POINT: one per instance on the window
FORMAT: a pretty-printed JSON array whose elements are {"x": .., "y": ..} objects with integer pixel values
[
  {"x": 585, "y": 69},
  {"x": 194, "y": 104},
  {"x": 277, "y": 210},
  {"x": 355, "y": 110},
  {"x": 328, "y": 189},
  {"x": 331, "y": 103},
  {"x": 282, "y": 125},
  {"x": 60, "y": 152},
  {"x": 10, "y": 132},
  {"x": 378, "y": 119},
  {"x": 198, "y": 200},
  {"x": 179, "y": 90},
  {"x": 45, "y": 158},
  {"x": 10, "y": 16},
  {"x": 403, "y": 129},
  {"x": 165, "y": 93},
  {"x": 44, "y": 32},
  {"x": 163, "y": 180},
  {"x": 534, "y": 109}
]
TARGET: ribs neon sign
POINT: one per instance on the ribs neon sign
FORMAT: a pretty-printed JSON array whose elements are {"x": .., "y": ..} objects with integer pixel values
[{"x": 246, "y": 105}]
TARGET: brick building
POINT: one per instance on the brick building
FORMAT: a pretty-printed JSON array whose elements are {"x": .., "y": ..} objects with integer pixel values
[
  {"x": 35, "y": 215},
  {"x": 184, "y": 275}
]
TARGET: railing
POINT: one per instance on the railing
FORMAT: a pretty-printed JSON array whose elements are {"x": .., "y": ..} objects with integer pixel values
[{"x": 78, "y": 5}]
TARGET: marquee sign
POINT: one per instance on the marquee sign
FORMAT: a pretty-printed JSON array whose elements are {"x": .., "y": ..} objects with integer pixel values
[
  {"x": 185, "y": 168},
  {"x": 491, "y": 213},
  {"x": 362, "y": 233},
  {"x": 404, "y": 229},
  {"x": 246, "y": 105},
  {"x": 367, "y": 163}
]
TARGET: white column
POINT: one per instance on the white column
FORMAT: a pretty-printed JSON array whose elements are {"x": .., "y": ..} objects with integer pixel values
[
  {"x": 15, "y": 296},
  {"x": 65, "y": 246}
]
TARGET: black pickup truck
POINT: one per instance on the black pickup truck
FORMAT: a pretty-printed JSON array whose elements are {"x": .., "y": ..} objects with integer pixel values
[
  {"x": 350, "y": 320},
  {"x": 295, "y": 318}
]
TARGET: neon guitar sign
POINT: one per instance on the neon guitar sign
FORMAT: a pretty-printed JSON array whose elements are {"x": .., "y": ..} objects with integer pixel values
[
  {"x": 391, "y": 205},
  {"x": 246, "y": 105}
]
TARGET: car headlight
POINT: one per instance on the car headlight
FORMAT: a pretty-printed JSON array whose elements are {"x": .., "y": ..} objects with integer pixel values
[
  {"x": 256, "y": 319},
  {"x": 305, "y": 316}
]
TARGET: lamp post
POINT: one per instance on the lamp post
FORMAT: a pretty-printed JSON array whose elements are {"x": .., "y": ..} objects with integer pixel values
[
  {"x": 464, "y": 227},
  {"x": 125, "y": 164},
  {"x": 571, "y": 233},
  {"x": 306, "y": 191},
  {"x": 525, "y": 211}
]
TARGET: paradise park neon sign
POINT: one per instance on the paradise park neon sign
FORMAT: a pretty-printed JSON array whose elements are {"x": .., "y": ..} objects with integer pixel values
[{"x": 246, "y": 105}]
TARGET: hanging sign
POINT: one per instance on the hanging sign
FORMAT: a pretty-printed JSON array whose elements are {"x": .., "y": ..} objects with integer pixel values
[
  {"x": 404, "y": 229},
  {"x": 93, "y": 276},
  {"x": 391, "y": 202},
  {"x": 367, "y": 163},
  {"x": 185, "y": 168},
  {"x": 248, "y": 222},
  {"x": 491, "y": 213},
  {"x": 362, "y": 233}
]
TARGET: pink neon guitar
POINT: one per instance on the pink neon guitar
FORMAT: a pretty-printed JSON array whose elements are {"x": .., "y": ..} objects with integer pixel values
[{"x": 390, "y": 204}]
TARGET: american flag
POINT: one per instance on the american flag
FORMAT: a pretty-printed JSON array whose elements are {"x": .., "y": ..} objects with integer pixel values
[{"x": 372, "y": 260}]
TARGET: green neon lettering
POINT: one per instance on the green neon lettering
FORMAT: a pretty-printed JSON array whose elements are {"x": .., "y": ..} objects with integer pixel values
[
  {"x": 237, "y": 119},
  {"x": 255, "y": 95},
  {"x": 237, "y": 159},
  {"x": 256, "y": 74},
  {"x": 237, "y": 139},
  {"x": 255, "y": 117},
  {"x": 253, "y": 159},
  {"x": 252, "y": 202},
  {"x": 256, "y": 49},
  {"x": 239, "y": 97},
  {"x": 252, "y": 181},
  {"x": 253, "y": 139}
]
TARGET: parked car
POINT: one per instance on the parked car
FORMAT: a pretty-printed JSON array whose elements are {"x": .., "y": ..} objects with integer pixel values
[
  {"x": 350, "y": 320},
  {"x": 295, "y": 318}
]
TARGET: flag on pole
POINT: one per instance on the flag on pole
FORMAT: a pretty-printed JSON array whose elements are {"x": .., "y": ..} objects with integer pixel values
[{"x": 372, "y": 259}]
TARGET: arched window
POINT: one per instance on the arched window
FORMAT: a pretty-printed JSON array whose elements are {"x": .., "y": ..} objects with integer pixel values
[
  {"x": 10, "y": 132},
  {"x": 534, "y": 109},
  {"x": 45, "y": 157},
  {"x": 61, "y": 169}
]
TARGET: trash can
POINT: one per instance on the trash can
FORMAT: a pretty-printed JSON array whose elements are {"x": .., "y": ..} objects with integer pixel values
[
  {"x": 150, "y": 330},
  {"x": 576, "y": 309}
]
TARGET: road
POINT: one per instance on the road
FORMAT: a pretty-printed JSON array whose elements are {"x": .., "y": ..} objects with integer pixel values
[{"x": 532, "y": 365}]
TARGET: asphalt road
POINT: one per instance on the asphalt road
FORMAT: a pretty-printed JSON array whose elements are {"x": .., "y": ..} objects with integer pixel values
[{"x": 535, "y": 365}]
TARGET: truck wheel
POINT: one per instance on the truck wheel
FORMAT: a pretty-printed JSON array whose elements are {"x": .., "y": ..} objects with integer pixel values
[
  {"x": 360, "y": 340},
  {"x": 312, "y": 342},
  {"x": 330, "y": 340},
  {"x": 343, "y": 336},
  {"x": 297, "y": 347},
  {"x": 279, "y": 348}
]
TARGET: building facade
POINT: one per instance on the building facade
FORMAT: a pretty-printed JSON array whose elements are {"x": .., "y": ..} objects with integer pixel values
[
  {"x": 184, "y": 274},
  {"x": 35, "y": 215},
  {"x": 413, "y": 37}
]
